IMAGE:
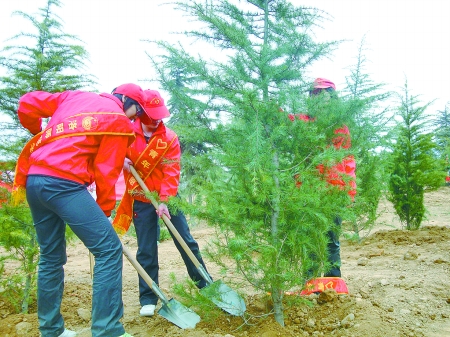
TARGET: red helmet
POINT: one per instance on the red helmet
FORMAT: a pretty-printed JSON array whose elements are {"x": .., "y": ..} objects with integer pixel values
[
  {"x": 323, "y": 83},
  {"x": 154, "y": 105},
  {"x": 133, "y": 91}
]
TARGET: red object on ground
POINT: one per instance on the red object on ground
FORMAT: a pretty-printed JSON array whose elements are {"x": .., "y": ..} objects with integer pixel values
[{"x": 322, "y": 283}]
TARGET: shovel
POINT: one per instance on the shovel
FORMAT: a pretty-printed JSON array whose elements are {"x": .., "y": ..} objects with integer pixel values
[
  {"x": 218, "y": 292},
  {"x": 172, "y": 310}
]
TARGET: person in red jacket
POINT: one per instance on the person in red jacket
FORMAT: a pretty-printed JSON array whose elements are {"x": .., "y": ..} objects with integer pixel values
[
  {"x": 85, "y": 141},
  {"x": 326, "y": 90},
  {"x": 156, "y": 157}
]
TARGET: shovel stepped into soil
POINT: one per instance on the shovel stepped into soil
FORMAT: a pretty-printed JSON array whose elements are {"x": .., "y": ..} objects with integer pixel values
[
  {"x": 218, "y": 292},
  {"x": 171, "y": 310}
]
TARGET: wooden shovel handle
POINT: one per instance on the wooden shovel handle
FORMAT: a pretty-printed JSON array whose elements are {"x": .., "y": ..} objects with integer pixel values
[
  {"x": 141, "y": 271},
  {"x": 91, "y": 265}
]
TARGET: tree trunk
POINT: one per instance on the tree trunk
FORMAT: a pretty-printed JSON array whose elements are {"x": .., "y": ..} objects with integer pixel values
[
  {"x": 26, "y": 294},
  {"x": 277, "y": 294},
  {"x": 28, "y": 266},
  {"x": 277, "y": 298}
]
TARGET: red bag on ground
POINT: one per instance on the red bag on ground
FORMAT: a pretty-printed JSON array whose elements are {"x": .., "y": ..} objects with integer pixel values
[{"x": 320, "y": 284}]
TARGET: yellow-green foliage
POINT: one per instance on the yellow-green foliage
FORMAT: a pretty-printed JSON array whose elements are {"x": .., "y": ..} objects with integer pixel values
[{"x": 20, "y": 255}]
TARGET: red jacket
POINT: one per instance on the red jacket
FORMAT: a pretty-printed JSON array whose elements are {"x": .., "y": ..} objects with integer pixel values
[
  {"x": 165, "y": 177},
  {"x": 96, "y": 149},
  {"x": 347, "y": 166}
]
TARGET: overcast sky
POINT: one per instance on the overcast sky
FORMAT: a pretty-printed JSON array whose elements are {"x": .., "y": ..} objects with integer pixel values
[{"x": 405, "y": 39}]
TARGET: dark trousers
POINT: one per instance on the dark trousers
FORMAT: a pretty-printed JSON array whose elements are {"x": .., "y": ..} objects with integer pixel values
[
  {"x": 146, "y": 224},
  {"x": 334, "y": 249},
  {"x": 333, "y": 254}
]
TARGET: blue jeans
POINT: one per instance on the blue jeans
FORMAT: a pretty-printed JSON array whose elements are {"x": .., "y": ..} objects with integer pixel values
[
  {"x": 146, "y": 224},
  {"x": 53, "y": 203}
]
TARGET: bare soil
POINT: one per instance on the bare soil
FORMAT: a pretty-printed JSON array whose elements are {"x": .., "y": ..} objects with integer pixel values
[{"x": 398, "y": 283}]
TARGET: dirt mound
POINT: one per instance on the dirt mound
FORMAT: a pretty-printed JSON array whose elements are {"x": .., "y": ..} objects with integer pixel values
[{"x": 397, "y": 283}]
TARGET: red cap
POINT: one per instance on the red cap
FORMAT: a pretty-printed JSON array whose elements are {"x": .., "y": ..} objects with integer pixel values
[
  {"x": 133, "y": 91},
  {"x": 323, "y": 83},
  {"x": 154, "y": 105}
]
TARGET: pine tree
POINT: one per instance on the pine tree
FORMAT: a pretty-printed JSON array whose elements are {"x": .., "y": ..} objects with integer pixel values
[
  {"x": 41, "y": 60},
  {"x": 369, "y": 133},
  {"x": 18, "y": 238},
  {"x": 191, "y": 144},
  {"x": 442, "y": 134},
  {"x": 234, "y": 103},
  {"x": 415, "y": 168}
]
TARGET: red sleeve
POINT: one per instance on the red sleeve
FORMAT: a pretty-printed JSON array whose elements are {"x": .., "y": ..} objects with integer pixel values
[
  {"x": 342, "y": 140},
  {"x": 171, "y": 171},
  {"x": 36, "y": 105},
  {"x": 107, "y": 167},
  {"x": 349, "y": 164}
]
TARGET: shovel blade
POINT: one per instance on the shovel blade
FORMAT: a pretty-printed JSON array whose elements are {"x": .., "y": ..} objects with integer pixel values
[
  {"x": 225, "y": 298},
  {"x": 179, "y": 314}
]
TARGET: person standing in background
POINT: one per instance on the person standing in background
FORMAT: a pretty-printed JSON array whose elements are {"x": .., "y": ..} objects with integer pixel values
[{"x": 325, "y": 90}]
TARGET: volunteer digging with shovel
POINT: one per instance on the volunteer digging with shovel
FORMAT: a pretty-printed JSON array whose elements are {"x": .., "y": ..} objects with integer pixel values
[
  {"x": 155, "y": 159},
  {"x": 156, "y": 155}
]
